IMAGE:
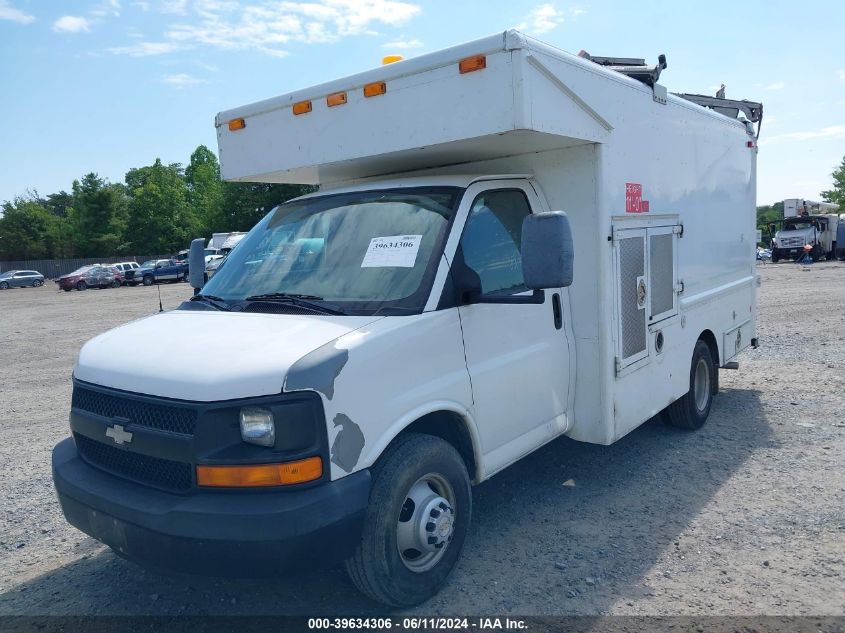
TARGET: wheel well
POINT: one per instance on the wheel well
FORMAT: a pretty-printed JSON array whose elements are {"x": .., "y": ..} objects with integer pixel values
[
  {"x": 708, "y": 337},
  {"x": 450, "y": 427}
]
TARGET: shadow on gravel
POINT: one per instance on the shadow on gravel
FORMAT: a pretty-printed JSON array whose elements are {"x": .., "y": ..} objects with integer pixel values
[{"x": 535, "y": 547}]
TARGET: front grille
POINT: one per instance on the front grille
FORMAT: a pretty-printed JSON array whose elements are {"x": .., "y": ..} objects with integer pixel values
[
  {"x": 153, "y": 471},
  {"x": 180, "y": 420},
  {"x": 791, "y": 242}
]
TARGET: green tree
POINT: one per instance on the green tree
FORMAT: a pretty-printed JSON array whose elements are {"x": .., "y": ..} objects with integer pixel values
[
  {"x": 205, "y": 191},
  {"x": 161, "y": 220},
  {"x": 245, "y": 203},
  {"x": 28, "y": 230},
  {"x": 98, "y": 214},
  {"x": 767, "y": 214},
  {"x": 837, "y": 194}
]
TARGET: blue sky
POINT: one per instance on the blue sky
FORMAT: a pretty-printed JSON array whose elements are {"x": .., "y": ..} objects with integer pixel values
[{"x": 106, "y": 85}]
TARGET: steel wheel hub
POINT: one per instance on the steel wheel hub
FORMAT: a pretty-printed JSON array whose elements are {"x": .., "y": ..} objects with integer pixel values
[
  {"x": 701, "y": 385},
  {"x": 426, "y": 523}
]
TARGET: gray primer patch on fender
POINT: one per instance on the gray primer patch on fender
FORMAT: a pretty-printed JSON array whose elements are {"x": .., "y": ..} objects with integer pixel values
[
  {"x": 317, "y": 370},
  {"x": 347, "y": 446}
]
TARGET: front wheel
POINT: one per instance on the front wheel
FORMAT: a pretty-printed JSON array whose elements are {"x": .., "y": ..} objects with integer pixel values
[
  {"x": 775, "y": 257},
  {"x": 690, "y": 411},
  {"x": 4, "y": 285},
  {"x": 82, "y": 286},
  {"x": 148, "y": 281},
  {"x": 416, "y": 522}
]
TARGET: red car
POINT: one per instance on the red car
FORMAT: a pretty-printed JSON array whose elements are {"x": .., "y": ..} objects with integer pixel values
[{"x": 94, "y": 276}]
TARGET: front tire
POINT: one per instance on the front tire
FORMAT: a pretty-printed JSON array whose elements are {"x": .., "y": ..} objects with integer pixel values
[
  {"x": 416, "y": 522},
  {"x": 4, "y": 285},
  {"x": 148, "y": 280},
  {"x": 775, "y": 257},
  {"x": 81, "y": 286},
  {"x": 690, "y": 411}
]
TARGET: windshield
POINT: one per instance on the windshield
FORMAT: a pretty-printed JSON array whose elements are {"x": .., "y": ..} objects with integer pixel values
[
  {"x": 363, "y": 252},
  {"x": 79, "y": 271},
  {"x": 150, "y": 263},
  {"x": 7, "y": 274}
]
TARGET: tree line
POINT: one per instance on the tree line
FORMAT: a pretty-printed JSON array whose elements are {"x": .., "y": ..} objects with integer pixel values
[{"x": 158, "y": 209}]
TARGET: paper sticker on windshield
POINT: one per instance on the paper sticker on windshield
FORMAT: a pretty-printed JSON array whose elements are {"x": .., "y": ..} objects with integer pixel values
[{"x": 396, "y": 250}]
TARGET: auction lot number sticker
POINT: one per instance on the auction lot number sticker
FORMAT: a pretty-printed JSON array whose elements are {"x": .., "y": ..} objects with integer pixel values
[{"x": 393, "y": 251}]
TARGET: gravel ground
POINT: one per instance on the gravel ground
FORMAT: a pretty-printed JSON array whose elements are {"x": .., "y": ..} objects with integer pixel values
[{"x": 745, "y": 517}]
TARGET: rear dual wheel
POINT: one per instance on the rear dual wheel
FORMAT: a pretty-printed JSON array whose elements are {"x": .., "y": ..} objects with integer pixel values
[
  {"x": 690, "y": 411},
  {"x": 416, "y": 522}
]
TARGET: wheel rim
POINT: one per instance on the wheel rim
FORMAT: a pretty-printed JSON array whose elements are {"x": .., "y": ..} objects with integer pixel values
[
  {"x": 701, "y": 385},
  {"x": 426, "y": 523}
]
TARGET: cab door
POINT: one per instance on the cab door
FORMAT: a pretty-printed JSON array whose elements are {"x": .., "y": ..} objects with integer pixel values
[{"x": 515, "y": 342}]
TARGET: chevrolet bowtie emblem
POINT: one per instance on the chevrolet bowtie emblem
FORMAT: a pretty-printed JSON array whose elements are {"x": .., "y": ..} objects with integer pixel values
[{"x": 119, "y": 434}]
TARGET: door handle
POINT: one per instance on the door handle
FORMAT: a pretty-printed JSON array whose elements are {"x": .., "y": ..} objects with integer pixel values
[{"x": 556, "y": 311}]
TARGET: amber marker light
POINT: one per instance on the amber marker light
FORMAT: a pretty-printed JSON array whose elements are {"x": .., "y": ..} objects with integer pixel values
[
  {"x": 375, "y": 89},
  {"x": 302, "y": 107},
  {"x": 236, "y": 124},
  {"x": 260, "y": 475},
  {"x": 471, "y": 64},
  {"x": 336, "y": 99}
]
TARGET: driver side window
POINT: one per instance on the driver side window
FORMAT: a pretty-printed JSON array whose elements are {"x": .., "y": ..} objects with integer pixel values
[{"x": 492, "y": 241}]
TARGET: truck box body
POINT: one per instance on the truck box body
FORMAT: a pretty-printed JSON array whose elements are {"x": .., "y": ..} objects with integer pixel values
[{"x": 584, "y": 133}]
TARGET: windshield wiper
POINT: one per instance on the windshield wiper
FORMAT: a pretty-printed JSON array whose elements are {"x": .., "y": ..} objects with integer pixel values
[
  {"x": 211, "y": 300},
  {"x": 306, "y": 301}
]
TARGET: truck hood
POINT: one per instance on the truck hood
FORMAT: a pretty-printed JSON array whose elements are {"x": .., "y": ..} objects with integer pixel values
[{"x": 207, "y": 356}]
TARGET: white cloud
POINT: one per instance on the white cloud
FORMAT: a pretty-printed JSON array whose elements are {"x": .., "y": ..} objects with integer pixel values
[
  {"x": 183, "y": 80},
  {"x": 778, "y": 86},
  {"x": 146, "y": 49},
  {"x": 270, "y": 24},
  {"x": 841, "y": 74},
  {"x": 828, "y": 133},
  {"x": 174, "y": 6},
  {"x": 8, "y": 12},
  {"x": 71, "y": 24},
  {"x": 107, "y": 8},
  {"x": 403, "y": 45},
  {"x": 542, "y": 19},
  {"x": 141, "y": 4},
  {"x": 577, "y": 12}
]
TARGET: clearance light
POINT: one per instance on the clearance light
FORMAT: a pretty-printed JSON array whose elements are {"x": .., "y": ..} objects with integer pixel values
[
  {"x": 375, "y": 89},
  {"x": 338, "y": 98},
  {"x": 236, "y": 124},
  {"x": 260, "y": 475},
  {"x": 390, "y": 59},
  {"x": 302, "y": 107},
  {"x": 471, "y": 64}
]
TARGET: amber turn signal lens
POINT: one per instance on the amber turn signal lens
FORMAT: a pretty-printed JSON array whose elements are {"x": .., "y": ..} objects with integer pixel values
[
  {"x": 375, "y": 89},
  {"x": 302, "y": 107},
  {"x": 471, "y": 64},
  {"x": 236, "y": 124},
  {"x": 338, "y": 98},
  {"x": 390, "y": 59},
  {"x": 259, "y": 475}
]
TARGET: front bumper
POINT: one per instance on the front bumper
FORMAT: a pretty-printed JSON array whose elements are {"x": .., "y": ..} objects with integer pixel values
[{"x": 212, "y": 532}]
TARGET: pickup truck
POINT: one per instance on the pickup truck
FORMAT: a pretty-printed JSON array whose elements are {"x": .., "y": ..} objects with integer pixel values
[{"x": 155, "y": 270}]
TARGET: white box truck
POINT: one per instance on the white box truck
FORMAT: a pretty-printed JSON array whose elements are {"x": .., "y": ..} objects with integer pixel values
[{"x": 509, "y": 244}]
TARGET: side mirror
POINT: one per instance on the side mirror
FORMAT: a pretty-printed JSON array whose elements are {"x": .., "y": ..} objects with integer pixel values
[
  {"x": 547, "y": 251},
  {"x": 196, "y": 264}
]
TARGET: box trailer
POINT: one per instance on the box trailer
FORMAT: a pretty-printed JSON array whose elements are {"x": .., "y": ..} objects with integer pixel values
[{"x": 509, "y": 244}]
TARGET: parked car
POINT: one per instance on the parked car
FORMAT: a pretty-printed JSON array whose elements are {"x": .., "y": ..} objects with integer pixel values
[
  {"x": 212, "y": 266},
  {"x": 91, "y": 276},
  {"x": 21, "y": 279},
  {"x": 125, "y": 267},
  {"x": 155, "y": 270}
]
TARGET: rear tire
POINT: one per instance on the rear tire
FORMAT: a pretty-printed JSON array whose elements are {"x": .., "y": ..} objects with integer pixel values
[
  {"x": 115, "y": 284},
  {"x": 690, "y": 411},
  {"x": 37, "y": 283},
  {"x": 420, "y": 502}
]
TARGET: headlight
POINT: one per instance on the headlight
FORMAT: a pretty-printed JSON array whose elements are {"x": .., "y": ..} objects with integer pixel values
[{"x": 257, "y": 426}]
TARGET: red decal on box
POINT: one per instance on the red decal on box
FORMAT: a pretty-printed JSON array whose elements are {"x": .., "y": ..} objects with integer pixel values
[{"x": 634, "y": 202}]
